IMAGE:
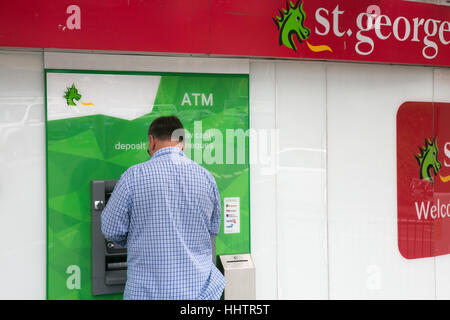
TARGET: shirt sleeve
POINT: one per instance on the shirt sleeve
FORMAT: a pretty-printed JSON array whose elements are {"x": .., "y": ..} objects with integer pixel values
[
  {"x": 215, "y": 217},
  {"x": 116, "y": 215}
]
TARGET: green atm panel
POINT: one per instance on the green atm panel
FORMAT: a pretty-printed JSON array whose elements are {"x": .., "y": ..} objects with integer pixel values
[{"x": 97, "y": 124}]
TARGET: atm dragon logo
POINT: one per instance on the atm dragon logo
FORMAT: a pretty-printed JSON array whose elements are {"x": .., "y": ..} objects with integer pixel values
[
  {"x": 291, "y": 23},
  {"x": 427, "y": 160},
  {"x": 71, "y": 95}
]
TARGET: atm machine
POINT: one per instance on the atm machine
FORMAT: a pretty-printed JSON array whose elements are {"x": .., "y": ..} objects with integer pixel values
[{"x": 109, "y": 260}]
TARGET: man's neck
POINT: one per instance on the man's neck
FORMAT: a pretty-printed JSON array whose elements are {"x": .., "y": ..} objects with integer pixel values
[{"x": 167, "y": 145}]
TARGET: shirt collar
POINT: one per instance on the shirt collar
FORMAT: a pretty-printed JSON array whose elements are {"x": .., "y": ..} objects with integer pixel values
[{"x": 166, "y": 151}]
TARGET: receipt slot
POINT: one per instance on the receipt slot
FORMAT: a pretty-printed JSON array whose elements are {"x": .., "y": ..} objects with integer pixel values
[
  {"x": 109, "y": 260},
  {"x": 239, "y": 272}
]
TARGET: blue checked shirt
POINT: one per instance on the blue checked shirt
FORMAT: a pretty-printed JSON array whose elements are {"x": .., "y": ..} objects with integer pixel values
[{"x": 164, "y": 211}]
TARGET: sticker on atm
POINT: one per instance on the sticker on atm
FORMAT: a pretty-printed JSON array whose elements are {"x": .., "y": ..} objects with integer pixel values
[{"x": 232, "y": 215}]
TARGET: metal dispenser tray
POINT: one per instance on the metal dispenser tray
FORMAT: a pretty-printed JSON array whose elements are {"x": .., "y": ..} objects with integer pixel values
[{"x": 239, "y": 272}]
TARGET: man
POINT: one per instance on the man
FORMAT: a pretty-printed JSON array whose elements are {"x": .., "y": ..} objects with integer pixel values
[{"x": 164, "y": 211}]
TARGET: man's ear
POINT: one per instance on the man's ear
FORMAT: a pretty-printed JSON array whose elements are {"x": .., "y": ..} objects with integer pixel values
[{"x": 153, "y": 142}]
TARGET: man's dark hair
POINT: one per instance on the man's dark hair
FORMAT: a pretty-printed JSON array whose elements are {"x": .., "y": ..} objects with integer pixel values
[{"x": 163, "y": 128}]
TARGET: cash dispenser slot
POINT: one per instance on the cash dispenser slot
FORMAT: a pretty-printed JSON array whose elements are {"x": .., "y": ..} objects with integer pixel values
[
  {"x": 109, "y": 260},
  {"x": 115, "y": 264}
]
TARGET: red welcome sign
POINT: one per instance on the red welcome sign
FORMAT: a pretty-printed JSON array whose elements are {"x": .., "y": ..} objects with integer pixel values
[
  {"x": 423, "y": 179},
  {"x": 391, "y": 31}
]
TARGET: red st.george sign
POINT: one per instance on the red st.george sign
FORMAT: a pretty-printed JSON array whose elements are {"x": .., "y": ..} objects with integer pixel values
[
  {"x": 391, "y": 31},
  {"x": 423, "y": 179}
]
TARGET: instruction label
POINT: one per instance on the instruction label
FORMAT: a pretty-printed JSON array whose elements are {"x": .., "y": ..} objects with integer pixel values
[{"x": 232, "y": 215}]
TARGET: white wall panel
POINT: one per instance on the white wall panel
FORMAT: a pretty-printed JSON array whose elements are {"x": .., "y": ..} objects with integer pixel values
[
  {"x": 362, "y": 104},
  {"x": 323, "y": 192},
  {"x": 263, "y": 179},
  {"x": 301, "y": 180},
  {"x": 22, "y": 176},
  {"x": 442, "y": 94},
  {"x": 89, "y": 61}
]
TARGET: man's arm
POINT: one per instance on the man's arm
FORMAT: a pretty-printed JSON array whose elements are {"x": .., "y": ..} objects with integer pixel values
[
  {"x": 215, "y": 217},
  {"x": 116, "y": 215}
]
